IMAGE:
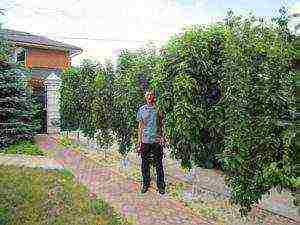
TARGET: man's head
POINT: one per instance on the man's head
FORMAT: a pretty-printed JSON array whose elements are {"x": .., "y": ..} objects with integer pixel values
[{"x": 150, "y": 97}]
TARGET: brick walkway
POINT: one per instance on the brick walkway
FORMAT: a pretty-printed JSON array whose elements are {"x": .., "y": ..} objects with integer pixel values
[
  {"x": 120, "y": 188},
  {"x": 210, "y": 192},
  {"x": 121, "y": 192}
]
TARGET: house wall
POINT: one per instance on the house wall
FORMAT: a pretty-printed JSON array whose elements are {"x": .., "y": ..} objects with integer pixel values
[
  {"x": 42, "y": 63},
  {"x": 42, "y": 58}
]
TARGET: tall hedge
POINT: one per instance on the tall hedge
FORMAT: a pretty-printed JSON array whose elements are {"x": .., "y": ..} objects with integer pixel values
[
  {"x": 259, "y": 104},
  {"x": 228, "y": 91},
  {"x": 189, "y": 79}
]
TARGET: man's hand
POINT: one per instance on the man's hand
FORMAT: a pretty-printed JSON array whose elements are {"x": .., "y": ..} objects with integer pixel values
[
  {"x": 161, "y": 141},
  {"x": 139, "y": 148}
]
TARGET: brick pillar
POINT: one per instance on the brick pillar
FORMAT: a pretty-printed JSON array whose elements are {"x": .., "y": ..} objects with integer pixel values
[{"x": 52, "y": 84}]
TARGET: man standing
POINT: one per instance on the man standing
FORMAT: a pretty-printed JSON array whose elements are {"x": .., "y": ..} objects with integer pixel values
[{"x": 150, "y": 142}]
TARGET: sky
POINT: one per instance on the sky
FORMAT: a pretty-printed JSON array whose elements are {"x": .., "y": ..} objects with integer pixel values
[{"x": 103, "y": 27}]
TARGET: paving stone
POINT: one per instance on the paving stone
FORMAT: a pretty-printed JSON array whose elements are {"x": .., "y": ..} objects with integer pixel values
[{"x": 120, "y": 188}]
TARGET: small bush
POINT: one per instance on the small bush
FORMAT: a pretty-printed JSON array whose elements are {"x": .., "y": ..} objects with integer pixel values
[
  {"x": 22, "y": 148},
  {"x": 63, "y": 140}
]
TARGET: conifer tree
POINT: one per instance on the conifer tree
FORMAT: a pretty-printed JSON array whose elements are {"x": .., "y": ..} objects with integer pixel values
[{"x": 18, "y": 108}]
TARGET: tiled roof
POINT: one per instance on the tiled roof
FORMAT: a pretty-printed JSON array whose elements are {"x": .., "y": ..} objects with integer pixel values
[{"x": 27, "y": 38}]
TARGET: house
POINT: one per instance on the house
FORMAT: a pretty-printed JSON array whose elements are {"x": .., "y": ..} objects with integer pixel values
[
  {"x": 42, "y": 56},
  {"x": 38, "y": 53}
]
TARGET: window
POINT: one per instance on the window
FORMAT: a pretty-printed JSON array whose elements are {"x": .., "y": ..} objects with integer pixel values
[{"x": 21, "y": 55}]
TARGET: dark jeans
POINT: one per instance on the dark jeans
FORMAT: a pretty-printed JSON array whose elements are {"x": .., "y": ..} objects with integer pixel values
[{"x": 152, "y": 154}]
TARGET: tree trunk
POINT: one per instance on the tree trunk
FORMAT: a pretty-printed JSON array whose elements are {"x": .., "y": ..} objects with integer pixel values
[
  {"x": 78, "y": 136},
  {"x": 105, "y": 154}
]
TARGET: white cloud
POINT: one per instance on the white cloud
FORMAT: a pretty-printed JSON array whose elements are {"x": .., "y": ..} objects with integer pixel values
[
  {"x": 111, "y": 19},
  {"x": 293, "y": 9}
]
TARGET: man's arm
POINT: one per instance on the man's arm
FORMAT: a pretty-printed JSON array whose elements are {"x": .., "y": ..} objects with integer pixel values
[
  {"x": 140, "y": 132},
  {"x": 160, "y": 123},
  {"x": 160, "y": 138}
]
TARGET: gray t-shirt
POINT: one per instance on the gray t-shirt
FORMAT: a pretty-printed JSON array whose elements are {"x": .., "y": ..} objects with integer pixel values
[{"x": 148, "y": 115}]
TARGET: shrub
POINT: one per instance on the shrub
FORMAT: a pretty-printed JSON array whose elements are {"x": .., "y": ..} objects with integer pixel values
[
  {"x": 4, "y": 47},
  {"x": 228, "y": 90},
  {"x": 88, "y": 73},
  {"x": 24, "y": 148},
  {"x": 65, "y": 141},
  {"x": 102, "y": 105},
  {"x": 86, "y": 101}
]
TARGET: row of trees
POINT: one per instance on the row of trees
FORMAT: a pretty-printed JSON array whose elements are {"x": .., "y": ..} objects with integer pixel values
[{"x": 227, "y": 93}]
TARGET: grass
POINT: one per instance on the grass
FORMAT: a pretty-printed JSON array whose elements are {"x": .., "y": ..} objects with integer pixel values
[
  {"x": 36, "y": 197},
  {"x": 65, "y": 141},
  {"x": 22, "y": 148}
]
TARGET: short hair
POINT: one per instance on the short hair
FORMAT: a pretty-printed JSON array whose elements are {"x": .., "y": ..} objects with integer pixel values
[{"x": 149, "y": 92}]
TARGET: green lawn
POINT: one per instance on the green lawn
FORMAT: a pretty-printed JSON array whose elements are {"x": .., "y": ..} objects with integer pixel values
[
  {"x": 37, "y": 197},
  {"x": 22, "y": 148}
]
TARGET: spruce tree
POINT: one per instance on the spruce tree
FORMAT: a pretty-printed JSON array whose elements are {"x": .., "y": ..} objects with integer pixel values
[{"x": 18, "y": 108}]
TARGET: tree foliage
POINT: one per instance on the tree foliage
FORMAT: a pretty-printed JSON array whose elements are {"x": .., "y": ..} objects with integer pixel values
[
  {"x": 86, "y": 100},
  {"x": 4, "y": 47},
  {"x": 191, "y": 71},
  {"x": 259, "y": 105},
  {"x": 70, "y": 100},
  {"x": 102, "y": 105},
  {"x": 18, "y": 108},
  {"x": 133, "y": 77}
]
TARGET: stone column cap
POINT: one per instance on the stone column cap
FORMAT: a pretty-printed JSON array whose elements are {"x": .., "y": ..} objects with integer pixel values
[{"x": 52, "y": 79}]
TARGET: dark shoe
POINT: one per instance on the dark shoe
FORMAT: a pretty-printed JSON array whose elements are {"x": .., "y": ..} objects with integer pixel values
[
  {"x": 161, "y": 191},
  {"x": 144, "y": 189}
]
